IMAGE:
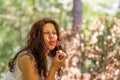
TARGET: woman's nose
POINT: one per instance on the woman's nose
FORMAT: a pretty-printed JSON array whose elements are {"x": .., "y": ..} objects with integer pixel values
[{"x": 51, "y": 35}]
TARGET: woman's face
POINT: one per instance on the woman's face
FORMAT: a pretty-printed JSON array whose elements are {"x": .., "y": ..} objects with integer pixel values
[{"x": 50, "y": 35}]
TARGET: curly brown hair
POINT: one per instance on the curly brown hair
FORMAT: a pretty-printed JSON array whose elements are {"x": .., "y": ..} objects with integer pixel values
[{"x": 35, "y": 43}]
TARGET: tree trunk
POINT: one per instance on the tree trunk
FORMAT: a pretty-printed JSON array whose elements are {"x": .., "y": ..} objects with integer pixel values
[{"x": 77, "y": 16}]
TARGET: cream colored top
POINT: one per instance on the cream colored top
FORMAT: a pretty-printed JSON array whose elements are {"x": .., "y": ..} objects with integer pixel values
[{"x": 17, "y": 74}]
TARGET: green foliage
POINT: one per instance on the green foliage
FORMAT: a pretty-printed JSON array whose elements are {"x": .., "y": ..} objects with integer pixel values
[
  {"x": 118, "y": 14},
  {"x": 102, "y": 47}
]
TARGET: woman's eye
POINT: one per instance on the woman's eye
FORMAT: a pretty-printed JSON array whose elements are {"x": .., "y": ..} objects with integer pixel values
[
  {"x": 49, "y": 33},
  {"x": 45, "y": 32},
  {"x": 54, "y": 33}
]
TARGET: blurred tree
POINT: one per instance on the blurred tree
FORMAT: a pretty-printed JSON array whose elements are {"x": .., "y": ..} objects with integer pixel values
[{"x": 77, "y": 16}]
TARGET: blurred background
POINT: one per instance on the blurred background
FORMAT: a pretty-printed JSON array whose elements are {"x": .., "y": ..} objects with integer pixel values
[{"x": 90, "y": 31}]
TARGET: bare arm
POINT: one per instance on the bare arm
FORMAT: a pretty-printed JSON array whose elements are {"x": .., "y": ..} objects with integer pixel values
[
  {"x": 28, "y": 68},
  {"x": 57, "y": 63}
]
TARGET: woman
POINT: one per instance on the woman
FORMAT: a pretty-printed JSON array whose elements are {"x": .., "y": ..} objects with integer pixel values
[{"x": 40, "y": 59}]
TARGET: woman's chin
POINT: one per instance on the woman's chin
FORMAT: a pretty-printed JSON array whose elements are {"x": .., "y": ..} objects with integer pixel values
[{"x": 51, "y": 48}]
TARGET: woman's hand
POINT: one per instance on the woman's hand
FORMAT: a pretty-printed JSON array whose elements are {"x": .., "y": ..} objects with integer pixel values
[{"x": 59, "y": 60}]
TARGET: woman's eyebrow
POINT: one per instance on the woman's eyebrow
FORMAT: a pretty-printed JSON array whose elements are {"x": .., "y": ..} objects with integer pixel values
[{"x": 51, "y": 30}]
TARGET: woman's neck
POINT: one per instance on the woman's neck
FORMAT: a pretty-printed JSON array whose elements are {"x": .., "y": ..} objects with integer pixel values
[{"x": 47, "y": 52}]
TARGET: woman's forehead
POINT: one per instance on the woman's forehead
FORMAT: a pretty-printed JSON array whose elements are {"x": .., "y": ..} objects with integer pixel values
[{"x": 49, "y": 26}]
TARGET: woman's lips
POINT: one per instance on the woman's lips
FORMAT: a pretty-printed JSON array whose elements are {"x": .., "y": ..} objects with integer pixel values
[{"x": 52, "y": 42}]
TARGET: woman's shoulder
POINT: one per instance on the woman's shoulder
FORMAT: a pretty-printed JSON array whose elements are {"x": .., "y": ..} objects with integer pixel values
[
  {"x": 26, "y": 58},
  {"x": 27, "y": 66},
  {"x": 25, "y": 55},
  {"x": 26, "y": 61}
]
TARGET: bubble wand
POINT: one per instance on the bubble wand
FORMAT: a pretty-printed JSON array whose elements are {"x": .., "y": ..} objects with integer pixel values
[{"x": 59, "y": 51}]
